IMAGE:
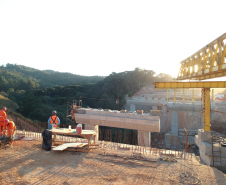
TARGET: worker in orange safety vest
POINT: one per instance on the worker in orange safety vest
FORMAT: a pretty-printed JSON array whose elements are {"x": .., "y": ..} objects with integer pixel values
[
  {"x": 3, "y": 116},
  {"x": 11, "y": 127},
  {"x": 53, "y": 121}
]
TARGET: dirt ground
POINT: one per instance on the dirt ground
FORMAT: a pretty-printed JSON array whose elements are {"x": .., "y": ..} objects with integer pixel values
[{"x": 27, "y": 163}]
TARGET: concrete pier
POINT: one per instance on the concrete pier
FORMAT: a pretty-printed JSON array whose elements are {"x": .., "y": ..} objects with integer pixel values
[
  {"x": 174, "y": 123},
  {"x": 203, "y": 141},
  {"x": 144, "y": 138},
  {"x": 132, "y": 108}
]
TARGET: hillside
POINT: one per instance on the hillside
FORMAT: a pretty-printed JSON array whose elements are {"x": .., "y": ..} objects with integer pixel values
[
  {"x": 5, "y": 102},
  {"x": 17, "y": 77},
  {"x": 38, "y": 104},
  {"x": 27, "y": 87}
]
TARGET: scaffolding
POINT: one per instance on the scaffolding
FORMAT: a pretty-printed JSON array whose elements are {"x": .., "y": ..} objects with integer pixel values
[{"x": 71, "y": 109}]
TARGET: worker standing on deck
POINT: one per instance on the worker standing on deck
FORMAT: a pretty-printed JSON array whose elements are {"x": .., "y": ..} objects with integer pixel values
[
  {"x": 3, "y": 116},
  {"x": 11, "y": 127},
  {"x": 53, "y": 121}
]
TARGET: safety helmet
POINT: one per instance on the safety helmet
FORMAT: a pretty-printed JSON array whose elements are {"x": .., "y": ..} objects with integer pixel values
[
  {"x": 54, "y": 112},
  {"x": 6, "y": 121},
  {"x": 4, "y": 108}
]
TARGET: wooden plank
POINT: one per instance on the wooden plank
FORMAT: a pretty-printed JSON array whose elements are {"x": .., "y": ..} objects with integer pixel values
[
  {"x": 66, "y": 145},
  {"x": 82, "y": 145},
  {"x": 65, "y": 131}
]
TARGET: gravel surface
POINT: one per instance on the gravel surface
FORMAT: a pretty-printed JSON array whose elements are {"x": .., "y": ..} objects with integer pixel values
[{"x": 27, "y": 163}]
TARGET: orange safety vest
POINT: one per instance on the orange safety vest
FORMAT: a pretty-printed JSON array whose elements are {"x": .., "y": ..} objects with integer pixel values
[
  {"x": 3, "y": 116},
  {"x": 53, "y": 119}
]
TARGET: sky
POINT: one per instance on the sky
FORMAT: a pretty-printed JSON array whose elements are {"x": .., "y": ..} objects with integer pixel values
[{"x": 98, "y": 37}]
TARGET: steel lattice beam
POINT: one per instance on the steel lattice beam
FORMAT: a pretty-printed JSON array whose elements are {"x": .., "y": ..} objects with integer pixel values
[{"x": 207, "y": 63}]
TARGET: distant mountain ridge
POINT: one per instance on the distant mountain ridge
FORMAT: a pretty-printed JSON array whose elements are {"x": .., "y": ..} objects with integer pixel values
[{"x": 18, "y": 77}]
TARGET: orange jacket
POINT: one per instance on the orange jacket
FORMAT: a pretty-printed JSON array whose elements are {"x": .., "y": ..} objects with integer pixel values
[
  {"x": 3, "y": 116},
  {"x": 11, "y": 127}
]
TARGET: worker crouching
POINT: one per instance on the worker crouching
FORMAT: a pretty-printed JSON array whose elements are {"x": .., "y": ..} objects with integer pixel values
[{"x": 11, "y": 127}]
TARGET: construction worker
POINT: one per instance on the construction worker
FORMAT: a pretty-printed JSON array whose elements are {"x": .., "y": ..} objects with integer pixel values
[
  {"x": 53, "y": 121},
  {"x": 3, "y": 116},
  {"x": 11, "y": 127}
]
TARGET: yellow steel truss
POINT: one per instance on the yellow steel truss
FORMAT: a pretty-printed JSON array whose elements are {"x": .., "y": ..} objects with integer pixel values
[{"x": 208, "y": 62}]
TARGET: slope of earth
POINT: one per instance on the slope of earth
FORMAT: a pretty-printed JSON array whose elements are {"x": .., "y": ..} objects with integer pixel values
[
  {"x": 5, "y": 102},
  {"x": 150, "y": 89},
  {"x": 26, "y": 163},
  {"x": 145, "y": 90}
]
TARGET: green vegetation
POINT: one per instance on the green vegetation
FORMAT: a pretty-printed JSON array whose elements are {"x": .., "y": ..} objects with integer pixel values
[
  {"x": 17, "y": 78},
  {"x": 39, "y": 92}
]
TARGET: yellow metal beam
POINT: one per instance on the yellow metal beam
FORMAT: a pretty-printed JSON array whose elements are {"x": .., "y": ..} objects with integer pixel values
[
  {"x": 206, "y": 109},
  {"x": 193, "y": 98},
  {"x": 181, "y": 85}
]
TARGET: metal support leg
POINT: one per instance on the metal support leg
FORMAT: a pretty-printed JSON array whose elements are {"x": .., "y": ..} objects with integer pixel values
[
  {"x": 183, "y": 95},
  {"x": 206, "y": 109}
]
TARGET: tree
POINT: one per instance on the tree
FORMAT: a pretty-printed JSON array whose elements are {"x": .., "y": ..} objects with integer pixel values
[
  {"x": 163, "y": 77},
  {"x": 29, "y": 104},
  {"x": 3, "y": 83}
]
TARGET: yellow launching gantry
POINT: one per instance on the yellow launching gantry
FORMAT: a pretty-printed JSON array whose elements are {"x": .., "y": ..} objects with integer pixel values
[{"x": 207, "y": 63}]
